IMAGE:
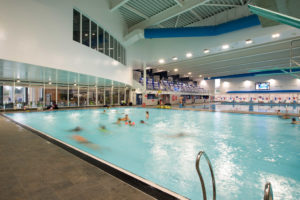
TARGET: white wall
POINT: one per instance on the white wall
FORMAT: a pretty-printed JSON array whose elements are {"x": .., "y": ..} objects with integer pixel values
[
  {"x": 39, "y": 32},
  {"x": 279, "y": 82}
]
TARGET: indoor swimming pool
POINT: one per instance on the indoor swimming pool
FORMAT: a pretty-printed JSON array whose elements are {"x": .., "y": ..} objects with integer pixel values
[
  {"x": 269, "y": 108},
  {"x": 245, "y": 150}
]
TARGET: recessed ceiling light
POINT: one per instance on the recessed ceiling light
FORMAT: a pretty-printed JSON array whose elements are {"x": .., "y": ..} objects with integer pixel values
[
  {"x": 189, "y": 73},
  {"x": 161, "y": 61},
  {"x": 276, "y": 35},
  {"x": 249, "y": 41},
  {"x": 175, "y": 70},
  {"x": 189, "y": 55},
  {"x": 206, "y": 51},
  {"x": 200, "y": 75},
  {"x": 86, "y": 35},
  {"x": 18, "y": 81},
  {"x": 225, "y": 46},
  {"x": 93, "y": 34},
  {"x": 174, "y": 58}
]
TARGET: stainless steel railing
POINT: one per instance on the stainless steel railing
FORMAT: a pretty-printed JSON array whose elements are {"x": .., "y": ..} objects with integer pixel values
[
  {"x": 200, "y": 175},
  {"x": 268, "y": 192}
]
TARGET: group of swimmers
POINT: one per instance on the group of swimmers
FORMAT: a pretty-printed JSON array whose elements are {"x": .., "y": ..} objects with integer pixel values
[
  {"x": 287, "y": 116},
  {"x": 129, "y": 122}
]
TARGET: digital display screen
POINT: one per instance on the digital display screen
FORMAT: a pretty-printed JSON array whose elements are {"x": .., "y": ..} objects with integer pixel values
[{"x": 262, "y": 86}]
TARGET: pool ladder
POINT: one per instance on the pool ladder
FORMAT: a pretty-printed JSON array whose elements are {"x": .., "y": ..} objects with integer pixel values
[
  {"x": 268, "y": 192},
  {"x": 200, "y": 175}
]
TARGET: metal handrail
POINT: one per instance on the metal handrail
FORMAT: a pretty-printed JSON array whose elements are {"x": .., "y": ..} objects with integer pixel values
[
  {"x": 268, "y": 192},
  {"x": 200, "y": 175}
]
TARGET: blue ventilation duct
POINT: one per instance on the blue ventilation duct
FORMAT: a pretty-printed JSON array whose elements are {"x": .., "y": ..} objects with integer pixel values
[{"x": 203, "y": 31}]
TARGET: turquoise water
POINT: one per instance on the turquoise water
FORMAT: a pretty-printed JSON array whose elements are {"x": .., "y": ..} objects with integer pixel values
[
  {"x": 252, "y": 108},
  {"x": 245, "y": 150}
]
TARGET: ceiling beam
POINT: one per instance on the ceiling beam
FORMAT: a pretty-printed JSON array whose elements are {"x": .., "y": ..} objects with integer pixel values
[
  {"x": 168, "y": 14},
  {"x": 196, "y": 15},
  {"x": 135, "y": 11},
  {"x": 177, "y": 20},
  {"x": 222, "y": 5},
  {"x": 242, "y": 2},
  {"x": 179, "y": 2},
  {"x": 115, "y": 4}
]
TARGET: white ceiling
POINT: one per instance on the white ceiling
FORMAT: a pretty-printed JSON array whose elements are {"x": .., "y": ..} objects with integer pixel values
[
  {"x": 10, "y": 70},
  {"x": 259, "y": 57}
]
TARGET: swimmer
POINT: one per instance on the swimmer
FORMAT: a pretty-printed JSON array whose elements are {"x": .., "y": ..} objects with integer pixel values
[
  {"x": 104, "y": 111},
  {"x": 82, "y": 140},
  {"x": 178, "y": 135},
  {"x": 142, "y": 122},
  {"x": 103, "y": 129},
  {"x": 147, "y": 115},
  {"x": 118, "y": 121},
  {"x": 294, "y": 121},
  {"x": 131, "y": 123},
  {"x": 285, "y": 116},
  {"x": 76, "y": 129},
  {"x": 126, "y": 118}
]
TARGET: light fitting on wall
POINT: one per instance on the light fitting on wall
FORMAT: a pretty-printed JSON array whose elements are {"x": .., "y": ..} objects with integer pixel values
[
  {"x": 174, "y": 58},
  {"x": 18, "y": 81},
  {"x": 189, "y": 73},
  {"x": 175, "y": 70},
  {"x": 75, "y": 84},
  {"x": 50, "y": 83},
  {"x": 276, "y": 35}
]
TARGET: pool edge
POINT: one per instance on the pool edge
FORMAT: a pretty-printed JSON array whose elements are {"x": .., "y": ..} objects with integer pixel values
[{"x": 135, "y": 181}]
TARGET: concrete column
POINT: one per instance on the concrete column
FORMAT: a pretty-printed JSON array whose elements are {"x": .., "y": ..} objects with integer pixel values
[
  {"x": 96, "y": 96},
  {"x": 68, "y": 95},
  {"x": 118, "y": 96},
  {"x": 88, "y": 96},
  {"x": 112, "y": 95},
  {"x": 125, "y": 95},
  {"x": 145, "y": 82},
  {"x": 104, "y": 94},
  {"x": 78, "y": 99}
]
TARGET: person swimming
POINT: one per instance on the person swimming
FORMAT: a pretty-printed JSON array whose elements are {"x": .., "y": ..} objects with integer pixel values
[
  {"x": 178, "y": 135},
  {"x": 104, "y": 111},
  {"x": 142, "y": 122},
  {"x": 147, "y": 115},
  {"x": 126, "y": 118},
  {"x": 294, "y": 121},
  {"x": 103, "y": 129},
  {"x": 76, "y": 129},
  {"x": 85, "y": 142},
  {"x": 130, "y": 123},
  {"x": 118, "y": 121}
]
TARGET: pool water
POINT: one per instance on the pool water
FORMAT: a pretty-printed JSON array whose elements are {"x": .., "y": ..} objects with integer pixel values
[
  {"x": 245, "y": 150},
  {"x": 249, "y": 108}
]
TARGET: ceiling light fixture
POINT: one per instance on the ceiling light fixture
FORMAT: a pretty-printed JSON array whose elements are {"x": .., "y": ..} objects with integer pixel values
[
  {"x": 175, "y": 58},
  {"x": 276, "y": 35},
  {"x": 161, "y": 61},
  {"x": 189, "y": 55},
  {"x": 206, "y": 51},
  {"x": 175, "y": 70},
  {"x": 200, "y": 75},
  {"x": 225, "y": 46},
  {"x": 75, "y": 84},
  {"x": 189, "y": 73},
  {"x": 50, "y": 83},
  {"x": 249, "y": 41}
]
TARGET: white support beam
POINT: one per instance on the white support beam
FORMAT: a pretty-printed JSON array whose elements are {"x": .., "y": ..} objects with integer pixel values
[
  {"x": 135, "y": 11},
  {"x": 168, "y": 14},
  {"x": 196, "y": 15},
  {"x": 115, "y": 4},
  {"x": 160, "y": 26},
  {"x": 222, "y": 5},
  {"x": 177, "y": 20},
  {"x": 242, "y": 3},
  {"x": 179, "y": 2}
]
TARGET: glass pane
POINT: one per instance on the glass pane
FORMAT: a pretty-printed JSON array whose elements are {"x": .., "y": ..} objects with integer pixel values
[
  {"x": 8, "y": 92},
  {"x": 107, "y": 96},
  {"x": 62, "y": 96},
  {"x": 122, "y": 96},
  {"x": 124, "y": 55},
  {"x": 111, "y": 46},
  {"x": 100, "y": 96},
  {"x": 100, "y": 40},
  {"x": 73, "y": 90},
  {"x": 115, "y": 96},
  {"x": 106, "y": 43},
  {"x": 35, "y": 95},
  {"x": 94, "y": 35},
  {"x": 115, "y": 50},
  {"x": 92, "y": 96},
  {"x": 50, "y": 94},
  {"x": 85, "y": 31},
  {"x": 83, "y": 96},
  {"x": 76, "y": 26}
]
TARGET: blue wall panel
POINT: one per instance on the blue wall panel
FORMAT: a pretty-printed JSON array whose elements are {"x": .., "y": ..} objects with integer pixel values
[{"x": 203, "y": 31}]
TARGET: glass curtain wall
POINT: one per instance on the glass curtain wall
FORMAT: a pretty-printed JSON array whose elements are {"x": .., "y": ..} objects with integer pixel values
[{"x": 34, "y": 95}]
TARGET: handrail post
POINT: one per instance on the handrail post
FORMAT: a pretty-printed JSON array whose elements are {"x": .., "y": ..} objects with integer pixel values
[
  {"x": 200, "y": 175},
  {"x": 268, "y": 192}
]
